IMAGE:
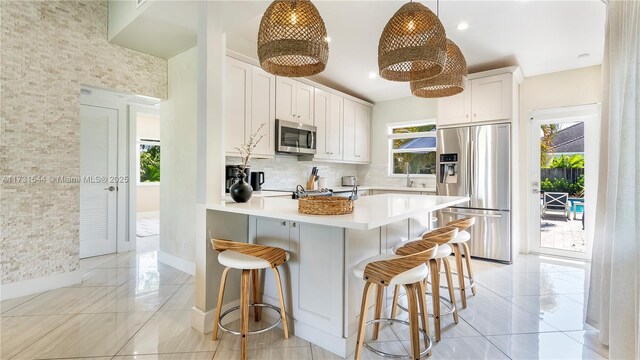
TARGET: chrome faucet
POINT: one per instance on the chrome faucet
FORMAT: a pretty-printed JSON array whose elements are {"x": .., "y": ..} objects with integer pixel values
[{"x": 409, "y": 181}]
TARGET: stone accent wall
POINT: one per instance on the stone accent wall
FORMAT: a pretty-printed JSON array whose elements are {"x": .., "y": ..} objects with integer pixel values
[{"x": 48, "y": 50}]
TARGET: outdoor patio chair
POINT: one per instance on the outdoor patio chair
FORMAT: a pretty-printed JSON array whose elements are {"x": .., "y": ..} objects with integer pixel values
[{"x": 556, "y": 201}]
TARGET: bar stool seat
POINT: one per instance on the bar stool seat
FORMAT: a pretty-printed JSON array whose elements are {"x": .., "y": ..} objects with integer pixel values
[
  {"x": 236, "y": 260},
  {"x": 463, "y": 236},
  {"x": 444, "y": 250},
  {"x": 408, "y": 277}
]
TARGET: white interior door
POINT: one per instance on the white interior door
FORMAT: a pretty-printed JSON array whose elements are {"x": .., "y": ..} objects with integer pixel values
[{"x": 98, "y": 172}]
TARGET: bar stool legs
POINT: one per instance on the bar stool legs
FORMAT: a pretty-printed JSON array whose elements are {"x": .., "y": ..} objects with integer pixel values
[
  {"x": 283, "y": 314},
  {"x": 362, "y": 321},
  {"x": 457, "y": 248},
  {"x": 244, "y": 312},
  {"x": 435, "y": 291},
  {"x": 377, "y": 311},
  {"x": 467, "y": 258},
  {"x": 223, "y": 281},
  {"x": 452, "y": 294},
  {"x": 257, "y": 311}
]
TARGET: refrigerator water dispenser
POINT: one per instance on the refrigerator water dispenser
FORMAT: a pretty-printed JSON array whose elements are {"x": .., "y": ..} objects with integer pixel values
[{"x": 448, "y": 168}]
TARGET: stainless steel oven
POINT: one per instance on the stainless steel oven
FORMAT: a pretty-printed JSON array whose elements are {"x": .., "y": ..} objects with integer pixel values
[{"x": 295, "y": 138}]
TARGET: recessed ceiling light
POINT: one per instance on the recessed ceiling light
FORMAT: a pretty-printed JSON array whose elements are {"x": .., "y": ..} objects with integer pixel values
[
  {"x": 373, "y": 75},
  {"x": 327, "y": 39},
  {"x": 585, "y": 55},
  {"x": 462, "y": 26}
]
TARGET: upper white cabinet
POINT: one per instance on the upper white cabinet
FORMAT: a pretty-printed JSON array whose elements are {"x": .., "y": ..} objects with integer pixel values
[
  {"x": 250, "y": 102},
  {"x": 238, "y": 104},
  {"x": 327, "y": 118},
  {"x": 255, "y": 97},
  {"x": 357, "y": 132},
  {"x": 263, "y": 110},
  {"x": 486, "y": 98},
  {"x": 455, "y": 109},
  {"x": 491, "y": 98},
  {"x": 294, "y": 101}
]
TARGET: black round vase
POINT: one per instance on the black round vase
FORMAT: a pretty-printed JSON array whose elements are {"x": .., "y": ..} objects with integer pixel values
[{"x": 241, "y": 191}]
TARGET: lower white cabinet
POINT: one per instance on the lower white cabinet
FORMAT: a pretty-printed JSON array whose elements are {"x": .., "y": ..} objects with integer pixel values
[{"x": 313, "y": 267}]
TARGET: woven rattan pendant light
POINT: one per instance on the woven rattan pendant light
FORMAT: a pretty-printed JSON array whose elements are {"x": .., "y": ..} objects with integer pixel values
[
  {"x": 450, "y": 82},
  {"x": 292, "y": 40},
  {"x": 412, "y": 45}
]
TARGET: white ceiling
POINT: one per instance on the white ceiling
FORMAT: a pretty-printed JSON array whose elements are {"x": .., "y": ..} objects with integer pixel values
[{"x": 542, "y": 36}]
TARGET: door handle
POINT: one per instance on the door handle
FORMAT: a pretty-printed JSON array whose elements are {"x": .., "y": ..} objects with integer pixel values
[{"x": 111, "y": 188}]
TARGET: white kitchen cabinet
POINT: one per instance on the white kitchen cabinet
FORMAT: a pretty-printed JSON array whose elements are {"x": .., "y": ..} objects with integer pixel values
[
  {"x": 294, "y": 101},
  {"x": 357, "y": 132},
  {"x": 328, "y": 121},
  {"x": 455, "y": 109},
  {"x": 363, "y": 133},
  {"x": 485, "y": 98},
  {"x": 311, "y": 266},
  {"x": 250, "y": 101},
  {"x": 263, "y": 110},
  {"x": 237, "y": 92},
  {"x": 491, "y": 98}
]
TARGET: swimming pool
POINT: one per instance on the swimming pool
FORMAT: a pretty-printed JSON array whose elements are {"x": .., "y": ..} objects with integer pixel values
[{"x": 578, "y": 208}]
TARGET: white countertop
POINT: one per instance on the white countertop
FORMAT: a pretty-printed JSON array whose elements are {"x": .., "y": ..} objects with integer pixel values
[{"x": 370, "y": 211}]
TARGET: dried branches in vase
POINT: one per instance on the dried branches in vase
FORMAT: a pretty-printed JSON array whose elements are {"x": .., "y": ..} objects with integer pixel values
[
  {"x": 246, "y": 150},
  {"x": 241, "y": 191}
]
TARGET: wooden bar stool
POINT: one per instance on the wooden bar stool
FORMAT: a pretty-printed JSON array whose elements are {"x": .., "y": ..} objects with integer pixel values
[
  {"x": 442, "y": 237},
  {"x": 460, "y": 244},
  {"x": 250, "y": 258},
  {"x": 408, "y": 270}
]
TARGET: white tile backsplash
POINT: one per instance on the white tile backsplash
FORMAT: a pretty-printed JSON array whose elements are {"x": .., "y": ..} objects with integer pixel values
[{"x": 285, "y": 172}]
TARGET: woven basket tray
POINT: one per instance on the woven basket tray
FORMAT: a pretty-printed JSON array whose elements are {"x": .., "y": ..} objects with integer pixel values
[{"x": 325, "y": 205}]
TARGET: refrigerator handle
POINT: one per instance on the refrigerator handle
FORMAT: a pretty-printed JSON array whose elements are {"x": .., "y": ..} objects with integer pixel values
[
  {"x": 472, "y": 163},
  {"x": 471, "y": 214}
]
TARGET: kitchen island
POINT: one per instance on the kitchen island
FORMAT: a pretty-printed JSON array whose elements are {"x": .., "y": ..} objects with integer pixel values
[{"x": 322, "y": 295}]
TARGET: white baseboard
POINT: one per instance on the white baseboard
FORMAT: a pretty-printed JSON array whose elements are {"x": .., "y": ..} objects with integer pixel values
[
  {"x": 177, "y": 262},
  {"x": 33, "y": 286},
  {"x": 203, "y": 321}
]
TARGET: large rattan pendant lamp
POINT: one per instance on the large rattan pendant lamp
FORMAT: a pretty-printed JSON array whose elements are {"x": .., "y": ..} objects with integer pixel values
[
  {"x": 412, "y": 45},
  {"x": 450, "y": 82},
  {"x": 292, "y": 40}
]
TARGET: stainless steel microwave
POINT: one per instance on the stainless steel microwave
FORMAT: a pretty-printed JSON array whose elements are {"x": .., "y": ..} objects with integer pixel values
[{"x": 295, "y": 138}]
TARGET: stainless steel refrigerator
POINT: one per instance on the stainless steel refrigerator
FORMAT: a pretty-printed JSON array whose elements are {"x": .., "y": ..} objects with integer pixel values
[{"x": 475, "y": 161}]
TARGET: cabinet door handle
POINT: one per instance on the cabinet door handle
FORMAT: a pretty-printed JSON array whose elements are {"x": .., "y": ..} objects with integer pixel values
[
  {"x": 284, "y": 223},
  {"x": 293, "y": 225},
  {"x": 467, "y": 116},
  {"x": 475, "y": 115}
]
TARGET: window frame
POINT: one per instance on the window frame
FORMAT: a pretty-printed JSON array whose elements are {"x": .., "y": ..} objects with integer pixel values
[
  {"x": 145, "y": 141},
  {"x": 391, "y": 136}
]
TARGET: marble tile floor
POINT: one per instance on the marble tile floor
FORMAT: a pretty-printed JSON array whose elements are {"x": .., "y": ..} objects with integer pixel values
[{"x": 130, "y": 306}]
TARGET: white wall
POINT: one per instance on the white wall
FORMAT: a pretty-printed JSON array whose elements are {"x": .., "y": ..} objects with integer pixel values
[
  {"x": 398, "y": 110},
  {"x": 555, "y": 90},
  {"x": 148, "y": 195},
  {"x": 178, "y": 161}
]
